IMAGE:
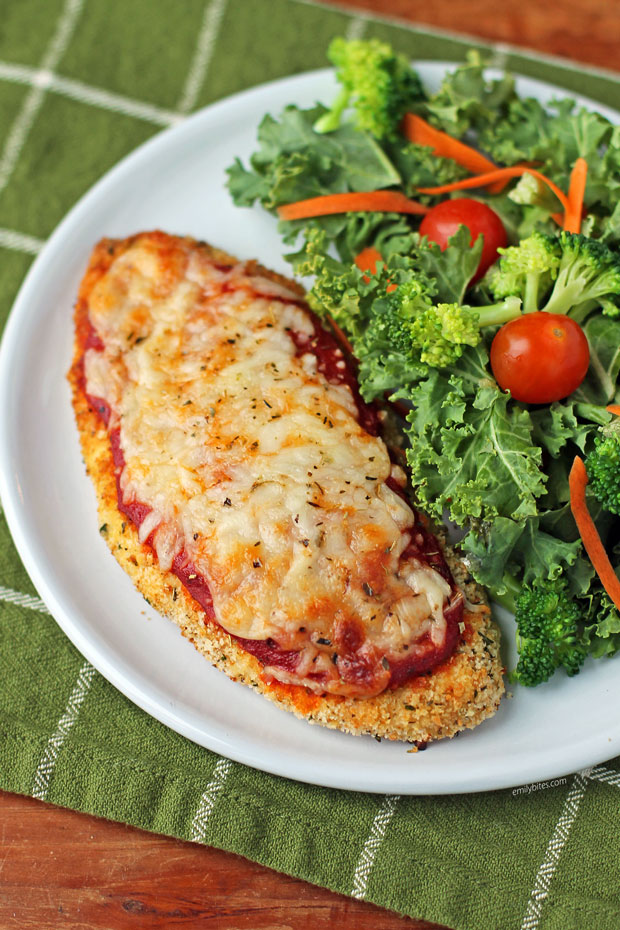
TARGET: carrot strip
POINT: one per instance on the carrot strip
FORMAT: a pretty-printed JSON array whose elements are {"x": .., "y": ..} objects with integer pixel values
[
  {"x": 367, "y": 260},
  {"x": 418, "y": 131},
  {"x": 558, "y": 218},
  {"x": 613, "y": 408},
  {"x": 576, "y": 192},
  {"x": 483, "y": 180},
  {"x": 577, "y": 482},
  {"x": 371, "y": 201}
]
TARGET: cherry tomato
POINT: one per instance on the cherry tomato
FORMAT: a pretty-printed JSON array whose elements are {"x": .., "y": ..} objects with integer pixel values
[
  {"x": 442, "y": 221},
  {"x": 540, "y": 357}
]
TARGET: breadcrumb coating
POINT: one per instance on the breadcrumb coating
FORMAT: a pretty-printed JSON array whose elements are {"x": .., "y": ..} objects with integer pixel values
[{"x": 458, "y": 694}]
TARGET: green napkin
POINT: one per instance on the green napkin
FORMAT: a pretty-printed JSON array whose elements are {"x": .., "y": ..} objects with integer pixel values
[{"x": 88, "y": 84}]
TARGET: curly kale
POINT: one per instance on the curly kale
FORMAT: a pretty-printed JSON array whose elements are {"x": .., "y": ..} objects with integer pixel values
[
  {"x": 396, "y": 319},
  {"x": 468, "y": 101},
  {"x": 379, "y": 83},
  {"x": 547, "y": 632}
]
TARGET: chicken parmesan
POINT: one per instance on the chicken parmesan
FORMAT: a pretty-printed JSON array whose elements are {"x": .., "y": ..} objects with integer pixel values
[{"x": 244, "y": 485}]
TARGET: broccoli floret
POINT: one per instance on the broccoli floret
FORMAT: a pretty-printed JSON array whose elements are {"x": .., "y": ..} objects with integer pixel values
[
  {"x": 526, "y": 270},
  {"x": 589, "y": 272},
  {"x": 408, "y": 321},
  {"x": 585, "y": 275},
  {"x": 531, "y": 192},
  {"x": 440, "y": 331},
  {"x": 434, "y": 334},
  {"x": 547, "y": 632},
  {"x": 609, "y": 308},
  {"x": 603, "y": 467},
  {"x": 400, "y": 309},
  {"x": 536, "y": 663},
  {"x": 379, "y": 83},
  {"x": 396, "y": 312}
]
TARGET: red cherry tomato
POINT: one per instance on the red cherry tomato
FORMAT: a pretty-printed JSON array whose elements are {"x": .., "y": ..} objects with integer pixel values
[
  {"x": 540, "y": 357},
  {"x": 442, "y": 221}
]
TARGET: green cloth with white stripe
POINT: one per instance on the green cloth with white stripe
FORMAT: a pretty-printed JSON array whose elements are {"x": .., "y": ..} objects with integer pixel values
[{"x": 82, "y": 82}]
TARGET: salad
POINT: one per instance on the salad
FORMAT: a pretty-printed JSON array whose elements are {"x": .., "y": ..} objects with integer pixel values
[{"x": 465, "y": 247}]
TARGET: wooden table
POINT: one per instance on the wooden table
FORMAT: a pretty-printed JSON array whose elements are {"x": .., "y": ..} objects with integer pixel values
[{"x": 62, "y": 869}]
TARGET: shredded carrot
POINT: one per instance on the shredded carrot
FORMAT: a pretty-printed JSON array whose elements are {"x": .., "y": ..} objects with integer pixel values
[
  {"x": 371, "y": 201},
  {"x": 484, "y": 180},
  {"x": 558, "y": 218},
  {"x": 613, "y": 408},
  {"x": 418, "y": 131},
  {"x": 576, "y": 192},
  {"x": 367, "y": 261},
  {"x": 577, "y": 482}
]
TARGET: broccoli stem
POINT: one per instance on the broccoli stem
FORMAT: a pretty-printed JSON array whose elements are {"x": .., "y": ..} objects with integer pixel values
[
  {"x": 330, "y": 121},
  {"x": 502, "y": 312},
  {"x": 576, "y": 294},
  {"x": 530, "y": 294},
  {"x": 566, "y": 292}
]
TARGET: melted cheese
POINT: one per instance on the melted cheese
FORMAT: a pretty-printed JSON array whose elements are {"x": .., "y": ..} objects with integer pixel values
[{"x": 253, "y": 464}]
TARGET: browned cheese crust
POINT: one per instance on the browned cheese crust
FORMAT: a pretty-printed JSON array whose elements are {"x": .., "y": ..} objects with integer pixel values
[{"x": 458, "y": 694}]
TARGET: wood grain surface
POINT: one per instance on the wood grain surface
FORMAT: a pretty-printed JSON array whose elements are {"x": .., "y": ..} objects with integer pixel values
[
  {"x": 60, "y": 869},
  {"x": 63, "y": 869},
  {"x": 582, "y": 30}
]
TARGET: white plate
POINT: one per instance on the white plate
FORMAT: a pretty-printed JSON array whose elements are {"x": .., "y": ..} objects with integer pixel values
[{"x": 176, "y": 182}]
